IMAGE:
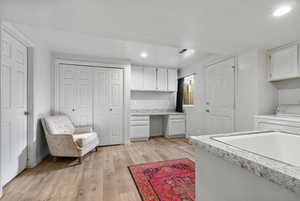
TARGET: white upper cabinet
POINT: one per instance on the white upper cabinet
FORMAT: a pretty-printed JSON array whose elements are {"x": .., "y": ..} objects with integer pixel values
[
  {"x": 137, "y": 78},
  {"x": 150, "y": 79},
  {"x": 172, "y": 79},
  {"x": 162, "y": 79},
  {"x": 284, "y": 63},
  {"x": 153, "y": 79}
]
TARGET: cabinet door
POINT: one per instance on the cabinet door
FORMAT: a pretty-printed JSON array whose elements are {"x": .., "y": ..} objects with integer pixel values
[
  {"x": 162, "y": 79},
  {"x": 137, "y": 78},
  {"x": 139, "y": 131},
  {"x": 177, "y": 127},
  {"x": 150, "y": 79},
  {"x": 284, "y": 63},
  {"x": 172, "y": 79}
]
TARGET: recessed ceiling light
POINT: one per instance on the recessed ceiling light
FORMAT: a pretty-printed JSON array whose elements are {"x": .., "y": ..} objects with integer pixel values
[
  {"x": 188, "y": 53},
  {"x": 283, "y": 10},
  {"x": 144, "y": 55}
]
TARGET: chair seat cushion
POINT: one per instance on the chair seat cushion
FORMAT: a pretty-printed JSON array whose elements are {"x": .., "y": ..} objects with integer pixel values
[{"x": 84, "y": 139}]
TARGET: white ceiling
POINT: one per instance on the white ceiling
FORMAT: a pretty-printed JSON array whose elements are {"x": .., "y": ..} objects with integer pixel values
[{"x": 123, "y": 28}]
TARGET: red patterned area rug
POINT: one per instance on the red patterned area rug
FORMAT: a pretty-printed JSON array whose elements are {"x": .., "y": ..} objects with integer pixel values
[{"x": 165, "y": 181}]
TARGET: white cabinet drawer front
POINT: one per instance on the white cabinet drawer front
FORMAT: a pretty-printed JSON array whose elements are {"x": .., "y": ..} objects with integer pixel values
[
  {"x": 277, "y": 125},
  {"x": 139, "y": 118},
  {"x": 139, "y": 132},
  {"x": 177, "y": 116},
  {"x": 139, "y": 123},
  {"x": 177, "y": 127}
]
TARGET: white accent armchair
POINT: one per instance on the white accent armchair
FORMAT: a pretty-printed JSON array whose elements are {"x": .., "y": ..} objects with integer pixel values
[{"x": 64, "y": 140}]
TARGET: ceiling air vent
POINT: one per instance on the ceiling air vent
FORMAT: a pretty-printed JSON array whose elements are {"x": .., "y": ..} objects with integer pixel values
[{"x": 182, "y": 51}]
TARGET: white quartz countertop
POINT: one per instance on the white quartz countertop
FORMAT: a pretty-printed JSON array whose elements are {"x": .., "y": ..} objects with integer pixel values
[
  {"x": 277, "y": 172},
  {"x": 148, "y": 112},
  {"x": 155, "y": 113}
]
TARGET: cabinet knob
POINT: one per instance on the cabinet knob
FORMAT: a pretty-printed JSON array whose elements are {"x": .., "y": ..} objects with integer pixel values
[
  {"x": 110, "y": 109},
  {"x": 207, "y": 110},
  {"x": 73, "y": 110}
]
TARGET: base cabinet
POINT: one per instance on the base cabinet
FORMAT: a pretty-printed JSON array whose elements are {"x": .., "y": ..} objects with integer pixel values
[
  {"x": 139, "y": 128},
  {"x": 175, "y": 126}
]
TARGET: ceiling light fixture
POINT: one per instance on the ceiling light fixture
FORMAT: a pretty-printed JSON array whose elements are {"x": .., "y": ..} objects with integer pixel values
[
  {"x": 283, "y": 10},
  {"x": 144, "y": 55},
  {"x": 188, "y": 53}
]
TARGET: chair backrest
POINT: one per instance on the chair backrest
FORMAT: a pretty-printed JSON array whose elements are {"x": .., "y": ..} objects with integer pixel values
[{"x": 59, "y": 124}]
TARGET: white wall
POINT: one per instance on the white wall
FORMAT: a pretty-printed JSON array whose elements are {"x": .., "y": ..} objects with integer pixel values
[
  {"x": 152, "y": 101},
  {"x": 39, "y": 93},
  {"x": 41, "y": 99},
  {"x": 289, "y": 91},
  {"x": 255, "y": 94}
]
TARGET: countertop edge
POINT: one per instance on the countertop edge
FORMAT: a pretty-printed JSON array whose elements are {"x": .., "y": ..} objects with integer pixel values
[{"x": 279, "y": 173}]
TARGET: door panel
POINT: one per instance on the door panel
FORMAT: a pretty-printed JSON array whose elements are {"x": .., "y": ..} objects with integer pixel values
[
  {"x": 67, "y": 90},
  {"x": 13, "y": 106},
  {"x": 76, "y": 94},
  {"x": 101, "y": 107},
  {"x": 84, "y": 101},
  {"x": 116, "y": 105},
  {"x": 220, "y": 97},
  {"x": 108, "y": 105}
]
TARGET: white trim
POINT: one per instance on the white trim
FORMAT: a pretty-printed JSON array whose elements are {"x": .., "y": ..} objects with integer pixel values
[
  {"x": 9, "y": 28},
  {"x": 57, "y": 60},
  {"x": 1, "y": 187}
]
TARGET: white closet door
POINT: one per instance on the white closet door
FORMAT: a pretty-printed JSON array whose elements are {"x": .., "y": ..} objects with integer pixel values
[
  {"x": 101, "y": 106},
  {"x": 67, "y": 90},
  {"x": 115, "y": 95},
  {"x": 108, "y": 105},
  {"x": 75, "y": 95},
  {"x": 84, "y": 101},
  {"x": 220, "y": 97},
  {"x": 13, "y": 107}
]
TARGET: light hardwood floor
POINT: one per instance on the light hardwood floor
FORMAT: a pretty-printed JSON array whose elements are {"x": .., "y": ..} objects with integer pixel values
[{"x": 103, "y": 175}]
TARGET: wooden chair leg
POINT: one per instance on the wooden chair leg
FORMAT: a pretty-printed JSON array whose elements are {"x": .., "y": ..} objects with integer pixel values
[
  {"x": 54, "y": 159},
  {"x": 80, "y": 159},
  {"x": 96, "y": 148}
]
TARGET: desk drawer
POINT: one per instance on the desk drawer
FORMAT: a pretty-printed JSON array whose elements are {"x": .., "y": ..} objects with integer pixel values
[
  {"x": 139, "y": 118},
  {"x": 139, "y": 123},
  {"x": 177, "y": 116}
]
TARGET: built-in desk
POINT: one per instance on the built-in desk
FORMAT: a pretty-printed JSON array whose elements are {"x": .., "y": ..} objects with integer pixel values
[{"x": 174, "y": 125}]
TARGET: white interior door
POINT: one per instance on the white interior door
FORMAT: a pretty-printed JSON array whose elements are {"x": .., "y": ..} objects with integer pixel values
[
  {"x": 75, "y": 93},
  {"x": 220, "y": 97},
  {"x": 108, "y": 105},
  {"x": 13, "y": 107}
]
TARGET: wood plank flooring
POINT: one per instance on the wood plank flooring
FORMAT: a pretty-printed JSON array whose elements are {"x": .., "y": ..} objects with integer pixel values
[{"x": 103, "y": 175}]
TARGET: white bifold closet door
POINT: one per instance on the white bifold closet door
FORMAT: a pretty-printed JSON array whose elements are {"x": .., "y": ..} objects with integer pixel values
[
  {"x": 108, "y": 105},
  {"x": 13, "y": 107},
  {"x": 75, "y": 93},
  {"x": 93, "y": 96}
]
